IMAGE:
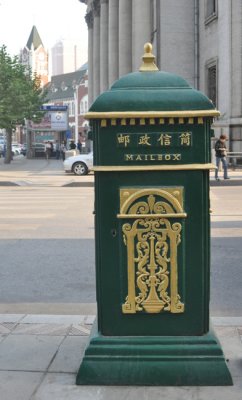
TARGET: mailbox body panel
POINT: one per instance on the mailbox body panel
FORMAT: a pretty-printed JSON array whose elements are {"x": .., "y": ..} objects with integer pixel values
[{"x": 193, "y": 255}]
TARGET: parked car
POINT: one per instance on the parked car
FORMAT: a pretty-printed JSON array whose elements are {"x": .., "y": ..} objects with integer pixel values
[
  {"x": 2, "y": 141},
  {"x": 79, "y": 164},
  {"x": 24, "y": 149},
  {"x": 16, "y": 149},
  {"x": 38, "y": 149},
  {"x": 1, "y": 149}
]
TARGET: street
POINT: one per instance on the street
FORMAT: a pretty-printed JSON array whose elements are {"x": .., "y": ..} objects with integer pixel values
[
  {"x": 226, "y": 251},
  {"x": 47, "y": 252},
  {"x": 47, "y": 243},
  {"x": 46, "y": 239}
]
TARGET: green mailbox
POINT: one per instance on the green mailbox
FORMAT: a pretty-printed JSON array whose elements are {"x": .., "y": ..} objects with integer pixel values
[{"x": 151, "y": 135}]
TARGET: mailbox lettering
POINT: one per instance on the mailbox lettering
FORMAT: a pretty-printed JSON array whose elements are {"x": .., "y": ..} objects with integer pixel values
[
  {"x": 154, "y": 139},
  {"x": 152, "y": 157},
  {"x": 165, "y": 139},
  {"x": 123, "y": 139},
  {"x": 144, "y": 140}
]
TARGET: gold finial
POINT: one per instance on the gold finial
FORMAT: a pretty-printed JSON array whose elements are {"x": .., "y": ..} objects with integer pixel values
[{"x": 148, "y": 59}]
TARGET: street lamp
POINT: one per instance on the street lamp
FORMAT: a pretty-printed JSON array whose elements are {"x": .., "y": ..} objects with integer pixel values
[{"x": 76, "y": 112}]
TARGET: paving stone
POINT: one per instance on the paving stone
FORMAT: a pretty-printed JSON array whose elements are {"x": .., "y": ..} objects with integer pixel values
[
  {"x": 42, "y": 329},
  {"x": 18, "y": 385},
  {"x": 69, "y": 356},
  {"x": 4, "y": 329},
  {"x": 11, "y": 317},
  {"x": 80, "y": 330},
  {"x": 52, "y": 319},
  {"x": 2, "y": 337},
  {"x": 227, "y": 321},
  {"x": 89, "y": 320},
  {"x": 232, "y": 348},
  {"x": 221, "y": 392},
  {"x": 28, "y": 352},
  {"x": 62, "y": 387}
]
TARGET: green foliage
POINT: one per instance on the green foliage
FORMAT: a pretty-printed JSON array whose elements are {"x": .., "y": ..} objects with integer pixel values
[{"x": 20, "y": 93}]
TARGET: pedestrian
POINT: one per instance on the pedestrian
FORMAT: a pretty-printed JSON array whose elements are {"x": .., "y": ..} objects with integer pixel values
[
  {"x": 57, "y": 150},
  {"x": 63, "y": 150},
  {"x": 48, "y": 150},
  {"x": 221, "y": 153},
  {"x": 79, "y": 146},
  {"x": 72, "y": 145}
]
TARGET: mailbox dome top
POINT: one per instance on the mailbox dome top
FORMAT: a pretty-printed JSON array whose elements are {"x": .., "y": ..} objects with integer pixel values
[
  {"x": 158, "y": 80},
  {"x": 151, "y": 90}
]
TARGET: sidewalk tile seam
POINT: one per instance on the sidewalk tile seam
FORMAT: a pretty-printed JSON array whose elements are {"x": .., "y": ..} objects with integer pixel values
[
  {"x": 55, "y": 354},
  {"x": 46, "y": 329}
]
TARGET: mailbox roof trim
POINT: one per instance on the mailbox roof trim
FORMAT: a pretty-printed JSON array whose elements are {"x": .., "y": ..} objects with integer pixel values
[
  {"x": 157, "y": 167},
  {"x": 151, "y": 114}
]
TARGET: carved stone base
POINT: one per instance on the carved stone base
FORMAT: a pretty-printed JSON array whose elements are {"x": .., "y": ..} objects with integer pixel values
[{"x": 154, "y": 360}]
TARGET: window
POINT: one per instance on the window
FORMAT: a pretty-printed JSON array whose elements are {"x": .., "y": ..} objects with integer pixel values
[
  {"x": 72, "y": 108},
  {"x": 211, "y": 10},
  {"x": 212, "y": 83}
]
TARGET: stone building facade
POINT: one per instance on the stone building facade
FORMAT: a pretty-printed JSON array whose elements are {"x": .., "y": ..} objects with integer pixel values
[{"x": 197, "y": 39}]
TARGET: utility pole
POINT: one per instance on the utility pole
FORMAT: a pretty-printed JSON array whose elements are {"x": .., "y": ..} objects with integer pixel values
[{"x": 76, "y": 113}]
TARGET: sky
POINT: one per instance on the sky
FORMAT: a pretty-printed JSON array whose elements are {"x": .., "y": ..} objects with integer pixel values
[{"x": 54, "y": 20}]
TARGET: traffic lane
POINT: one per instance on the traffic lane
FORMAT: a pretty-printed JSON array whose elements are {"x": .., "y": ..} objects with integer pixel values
[
  {"x": 226, "y": 276},
  {"x": 226, "y": 251},
  {"x": 47, "y": 270}
]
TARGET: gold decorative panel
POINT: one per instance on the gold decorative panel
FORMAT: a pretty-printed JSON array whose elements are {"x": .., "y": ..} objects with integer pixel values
[{"x": 152, "y": 238}]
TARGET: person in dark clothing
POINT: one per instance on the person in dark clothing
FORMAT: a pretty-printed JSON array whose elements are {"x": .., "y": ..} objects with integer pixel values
[
  {"x": 72, "y": 145},
  {"x": 221, "y": 153},
  {"x": 63, "y": 150},
  {"x": 79, "y": 146},
  {"x": 57, "y": 150}
]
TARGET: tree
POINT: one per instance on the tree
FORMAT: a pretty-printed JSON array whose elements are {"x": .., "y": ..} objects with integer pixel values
[{"x": 21, "y": 96}]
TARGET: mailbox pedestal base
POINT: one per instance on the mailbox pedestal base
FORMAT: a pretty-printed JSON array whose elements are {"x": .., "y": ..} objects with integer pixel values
[{"x": 154, "y": 360}]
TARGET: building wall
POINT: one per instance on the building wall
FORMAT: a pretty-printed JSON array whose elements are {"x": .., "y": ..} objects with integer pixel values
[
  {"x": 177, "y": 38},
  {"x": 66, "y": 94},
  {"x": 118, "y": 30},
  {"x": 37, "y": 60},
  {"x": 197, "y": 39},
  {"x": 220, "y": 44}
]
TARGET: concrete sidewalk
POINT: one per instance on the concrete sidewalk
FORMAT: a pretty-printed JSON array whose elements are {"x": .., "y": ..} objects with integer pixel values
[
  {"x": 25, "y": 172},
  {"x": 39, "y": 172},
  {"x": 40, "y": 356}
]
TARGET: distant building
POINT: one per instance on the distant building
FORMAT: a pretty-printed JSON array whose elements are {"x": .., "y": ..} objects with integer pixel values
[
  {"x": 36, "y": 56},
  {"x": 71, "y": 90},
  {"x": 66, "y": 57}
]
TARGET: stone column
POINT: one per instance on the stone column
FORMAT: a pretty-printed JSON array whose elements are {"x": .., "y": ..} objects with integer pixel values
[
  {"x": 113, "y": 41},
  {"x": 104, "y": 46},
  {"x": 96, "y": 49},
  {"x": 141, "y": 30},
  {"x": 89, "y": 21},
  {"x": 125, "y": 37}
]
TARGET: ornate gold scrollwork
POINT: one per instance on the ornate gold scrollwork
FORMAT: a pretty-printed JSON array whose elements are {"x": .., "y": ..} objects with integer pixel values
[{"x": 152, "y": 241}]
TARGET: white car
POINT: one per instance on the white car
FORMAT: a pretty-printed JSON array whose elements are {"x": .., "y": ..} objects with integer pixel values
[
  {"x": 80, "y": 164},
  {"x": 16, "y": 149}
]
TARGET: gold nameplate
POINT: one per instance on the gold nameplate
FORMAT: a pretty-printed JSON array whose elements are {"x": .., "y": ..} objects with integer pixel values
[{"x": 152, "y": 239}]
